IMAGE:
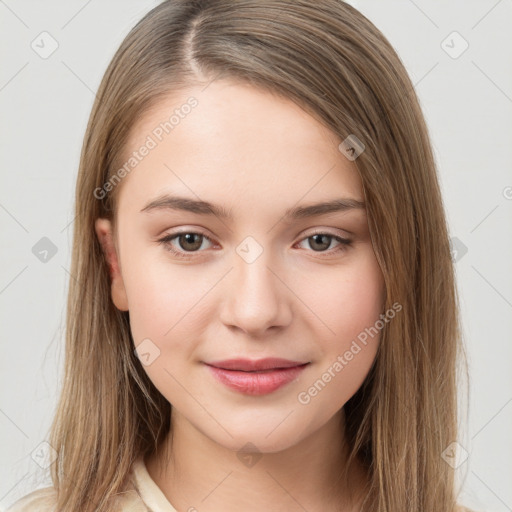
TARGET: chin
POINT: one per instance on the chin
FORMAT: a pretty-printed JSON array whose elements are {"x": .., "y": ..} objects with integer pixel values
[{"x": 263, "y": 438}]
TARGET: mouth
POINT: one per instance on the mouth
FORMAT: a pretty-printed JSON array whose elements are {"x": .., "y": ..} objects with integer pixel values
[
  {"x": 248, "y": 365},
  {"x": 256, "y": 377}
]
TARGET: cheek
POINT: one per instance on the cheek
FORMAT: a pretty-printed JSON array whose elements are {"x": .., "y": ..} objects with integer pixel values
[
  {"x": 166, "y": 310},
  {"x": 163, "y": 307},
  {"x": 350, "y": 305},
  {"x": 157, "y": 295},
  {"x": 348, "y": 299},
  {"x": 360, "y": 305}
]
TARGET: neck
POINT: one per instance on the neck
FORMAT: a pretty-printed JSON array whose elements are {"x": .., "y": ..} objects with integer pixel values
[{"x": 312, "y": 475}]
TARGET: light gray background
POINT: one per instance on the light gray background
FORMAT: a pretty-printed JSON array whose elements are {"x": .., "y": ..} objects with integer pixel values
[{"x": 45, "y": 104}]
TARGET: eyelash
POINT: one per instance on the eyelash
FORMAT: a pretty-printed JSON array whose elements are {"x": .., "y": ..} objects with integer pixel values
[{"x": 166, "y": 242}]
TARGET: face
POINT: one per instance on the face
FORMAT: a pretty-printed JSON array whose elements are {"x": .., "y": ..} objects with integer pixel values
[{"x": 251, "y": 280}]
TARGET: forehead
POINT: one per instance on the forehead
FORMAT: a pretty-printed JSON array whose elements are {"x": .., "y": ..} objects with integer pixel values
[{"x": 234, "y": 142}]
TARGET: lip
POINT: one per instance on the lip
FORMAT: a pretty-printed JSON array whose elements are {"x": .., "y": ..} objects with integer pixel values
[
  {"x": 256, "y": 377},
  {"x": 251, "y": 365}
]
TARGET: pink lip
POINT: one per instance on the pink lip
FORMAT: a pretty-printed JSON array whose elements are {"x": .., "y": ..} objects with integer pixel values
[{"x": 256, "y": 377}]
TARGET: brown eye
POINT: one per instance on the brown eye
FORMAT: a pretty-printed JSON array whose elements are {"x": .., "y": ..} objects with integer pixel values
[
  {"x": 187, "y": 242},
  {"x": 321, "y": 242},
  {"x": 190, "y": 241}
]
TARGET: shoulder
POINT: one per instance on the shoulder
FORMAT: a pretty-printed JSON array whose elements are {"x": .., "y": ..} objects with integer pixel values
[
  {"x": 40, "y": 500},
  {"x": 44, "y": 500}
]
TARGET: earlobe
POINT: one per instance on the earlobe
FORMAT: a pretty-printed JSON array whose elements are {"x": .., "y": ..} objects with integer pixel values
[{"x": 103, "y": 229}]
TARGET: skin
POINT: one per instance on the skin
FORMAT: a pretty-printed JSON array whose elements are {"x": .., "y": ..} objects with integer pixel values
[{"x": 256, "y": 154}]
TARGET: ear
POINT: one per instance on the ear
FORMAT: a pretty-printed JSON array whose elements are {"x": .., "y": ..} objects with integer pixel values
[{"x": 103, "y": 229}]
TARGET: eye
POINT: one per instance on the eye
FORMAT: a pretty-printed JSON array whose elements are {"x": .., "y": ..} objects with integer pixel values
[
  {"x": 320, "y": 241},
  {"x": 190, "y": 242}
]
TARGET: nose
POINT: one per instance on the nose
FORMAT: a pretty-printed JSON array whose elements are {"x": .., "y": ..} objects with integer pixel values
[{"x": 255, "y": 297}]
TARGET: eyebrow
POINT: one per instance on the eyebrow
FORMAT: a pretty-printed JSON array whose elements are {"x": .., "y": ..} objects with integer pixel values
[{"x": 168, "y": 202}]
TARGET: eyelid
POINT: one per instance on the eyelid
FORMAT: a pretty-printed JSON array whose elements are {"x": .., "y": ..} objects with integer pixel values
[
  {"x": 167, "y": 238},
  {"x": 306, "y": 234},
  {"x": 325, "y": 231},
  {"x": 343, "y": 243}
]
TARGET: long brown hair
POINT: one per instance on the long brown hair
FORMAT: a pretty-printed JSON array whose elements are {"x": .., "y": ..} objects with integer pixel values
[{"x": 332, "y": 61}]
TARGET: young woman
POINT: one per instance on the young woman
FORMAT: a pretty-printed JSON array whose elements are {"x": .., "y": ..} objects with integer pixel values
[{"x": 262, "y": 313}]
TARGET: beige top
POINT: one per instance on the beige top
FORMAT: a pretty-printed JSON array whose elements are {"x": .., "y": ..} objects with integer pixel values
[{"x": 142, "y": 495}]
